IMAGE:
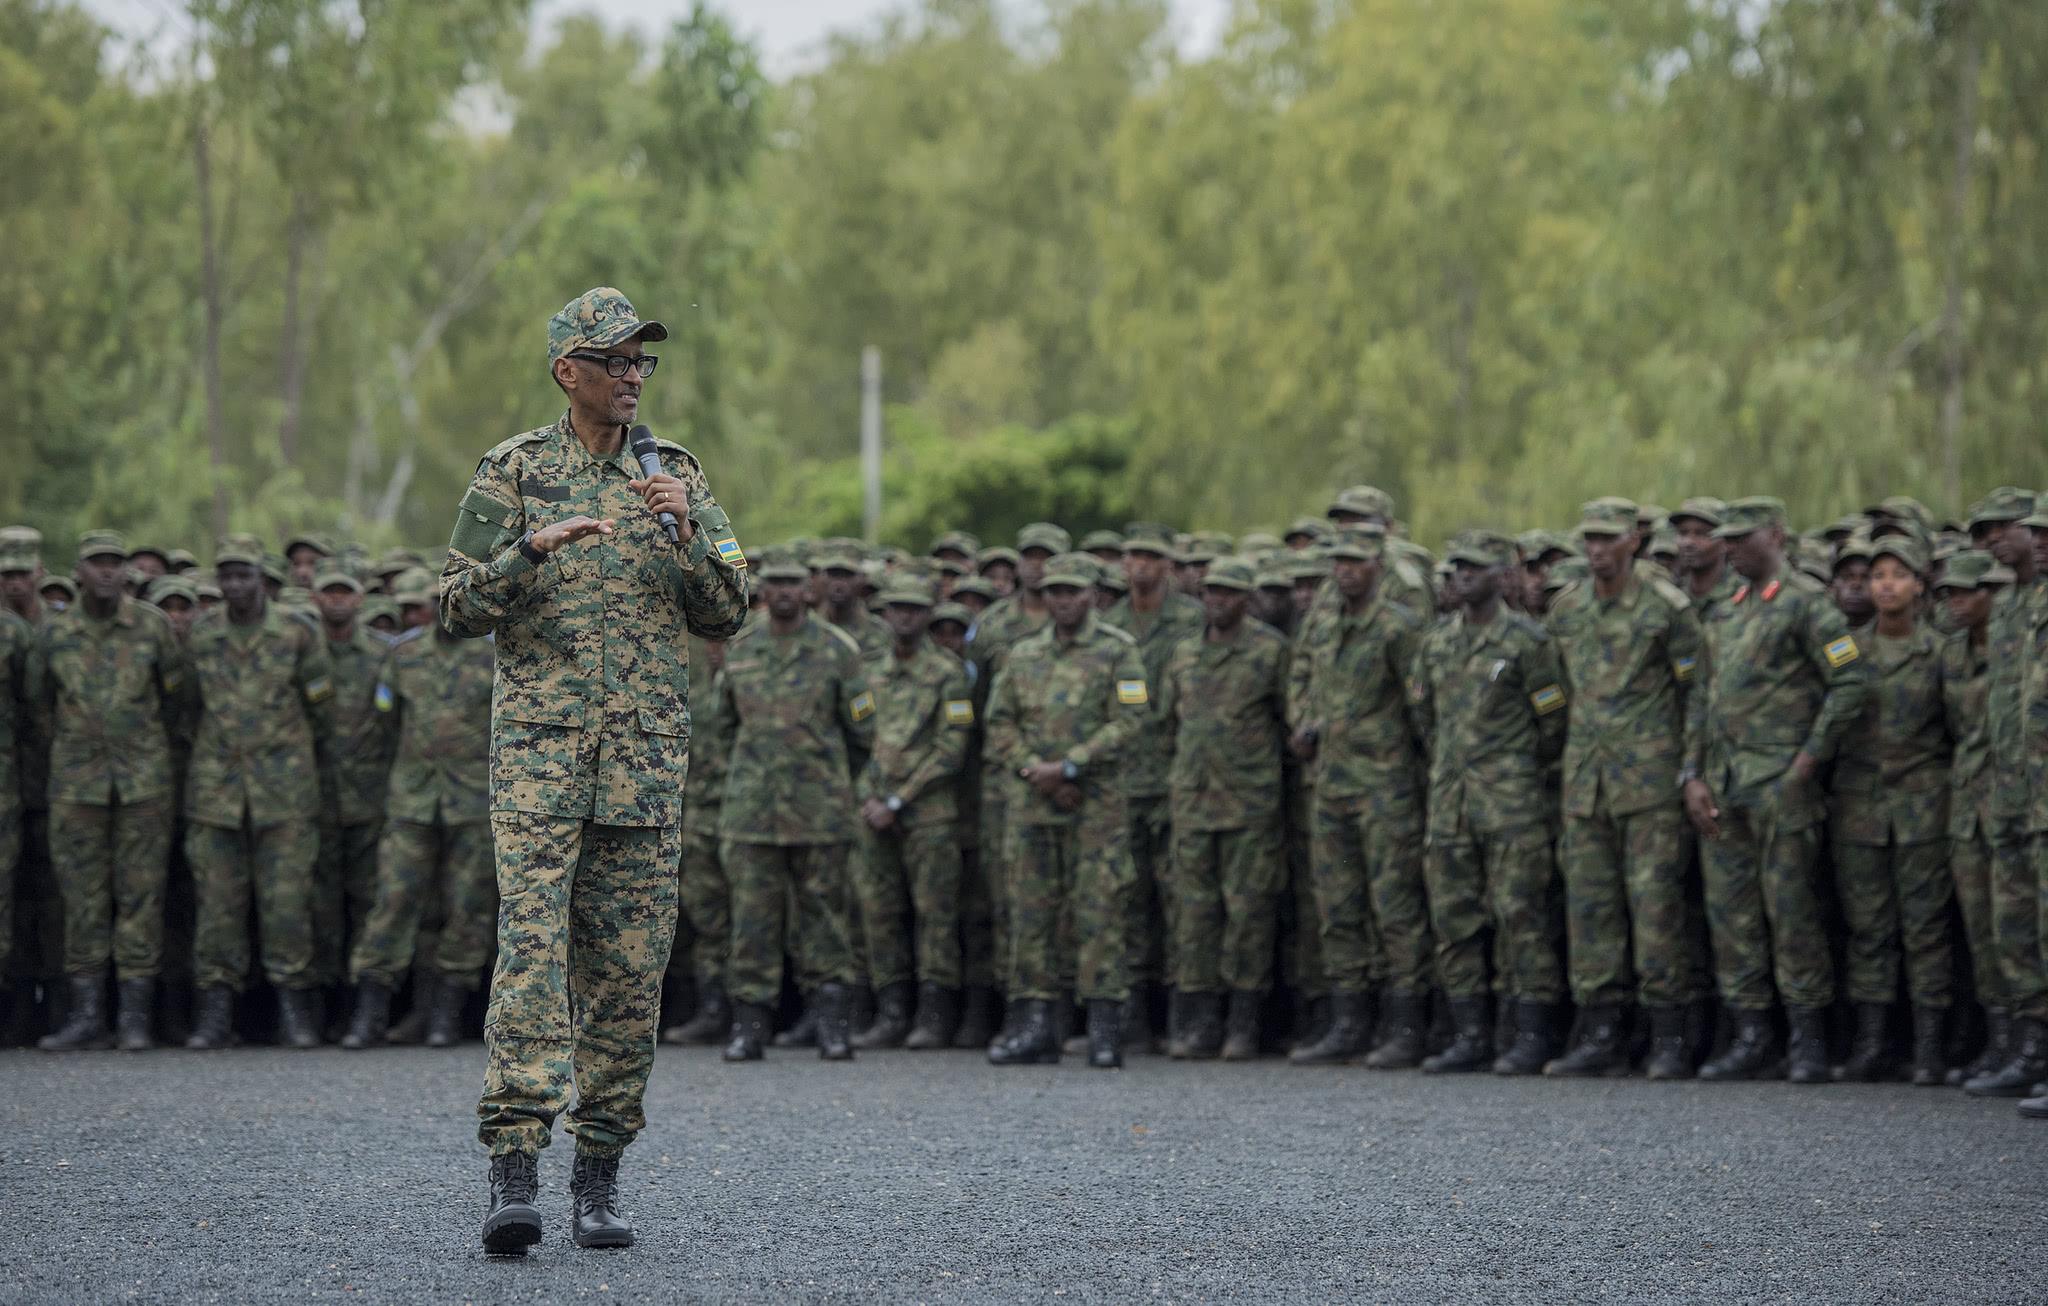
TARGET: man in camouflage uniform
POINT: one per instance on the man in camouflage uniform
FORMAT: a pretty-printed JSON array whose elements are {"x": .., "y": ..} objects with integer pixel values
[
  {"x": 803, "y": 716},
  {"x": 1703, "y": 556},
  {"x": 1223, "y": 698},
  {"x": 15, "y": 640},
  {"x": 252, "y": 798},
  {"x": 1632, "y": 651},
  {"x": 2033, "y": 715},
  {"x": 706, "y": 895},
  {"x": 557, "y": 550},
  {"x": 1354, "y": 723},
  {"x": 909, "y": 868},
  {"x": 1064, "y": 708},
  {"x": 839, "y": 589},
  {"x": 1786, "y": 680},
  {"x": 1160, "y": 620},
  {"x": 38, "y": 939},
  {"x": 1489, "y": 682},
  {"x": 434, "y": 691}
]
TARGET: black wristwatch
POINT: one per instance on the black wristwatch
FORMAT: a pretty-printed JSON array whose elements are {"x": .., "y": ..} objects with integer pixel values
[{"x": 530, "y": 553}]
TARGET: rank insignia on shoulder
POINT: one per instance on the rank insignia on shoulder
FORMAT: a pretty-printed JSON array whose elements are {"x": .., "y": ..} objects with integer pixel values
[
  {"x": 1684, "y": 667},
  {"x": 1740, "y": 594},
  {"x": 1131, "y": 693},
  {"x": 728, "y": 550},
  {"x": 1841, "y": 652},
  {"x": 1547, "y": 700},
  {"x": 384, "y": 698},
  {"x": 862, "y": 707},
  {"x": 319, "y": 689},
  {"x": 959, "y": 712},
  {"x": 1771, "y": 591}
]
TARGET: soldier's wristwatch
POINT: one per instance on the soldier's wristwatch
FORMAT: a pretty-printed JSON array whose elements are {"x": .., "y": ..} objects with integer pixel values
[
  {"x": 1687, "y": 776},
  {"x": 1069, "y": 770},
  {"x": 529, "y": 552},
  {"x": 893, "y": 802}
]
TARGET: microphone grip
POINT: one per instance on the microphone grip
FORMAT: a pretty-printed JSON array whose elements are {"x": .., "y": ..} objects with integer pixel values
[{"x": 642, "y": 445}]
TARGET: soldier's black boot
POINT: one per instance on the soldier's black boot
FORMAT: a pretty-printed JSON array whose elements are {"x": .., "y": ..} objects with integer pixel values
[
  {"x": 2035, "y": 1107},
  {"x": 860, "y": 1007},
  {"x": 1137, "y": 1019},
  {"x": 136, "y": 1015},
  {"x": 444, "y": 1018},
  {"x": 1403, "y": 1033},
  {"x": 85, "y": 1022},
  {"x": 594, "y": 1203},
  {"x": 1241, "y": 1037},
  {"x": 512, "y": 1224},
  {"x": 412, "y": 1027},
  {"x": 1013, "y": 1019},
  {"x": 1930, "y": 1054},
  {"x": 1806, "y": 1048},
  {"x": 1535, "y": 1039},
  {"x": 835, "y": 1020},
  {"x": 372, "y": 1018},
  {"x": 938, "y": 1016},
  {"x": 1176, "y": 1024},
  {"x": 1472, "y": 1047},
  {"x": 708, "y": 1023},
  {"x": 1751, "y": 1052},
  {"x": 1031, "y": 1040},
  {"x": 2028, "y": 1062},
  {"x": 297, "y": 1024},
  {"x": 1105, "y": 1034},
  {"x": 977, "y": 1017},
  {"x": 892, "y": 1019},
  {"x": 1670, "y": 1045},
  {"x": 749, "y": 1034},
  {"x": 213, "y": 1027},
  {"x": 1072, "y": 1041},
  {"x": 1997, "y": 1047},
  {"x": 1346, "y": 1036},
  {"x": 1311, "y": 1020},
  {"x": 1602, "y": 1048},
  {"x": 1201, "y": 1034},
  {"x": 1869, "y": 1059},
  {"x": 804, "y": 1033}
]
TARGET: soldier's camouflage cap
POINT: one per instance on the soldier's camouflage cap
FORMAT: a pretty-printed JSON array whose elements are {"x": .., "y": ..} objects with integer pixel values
[
  {"x": 948, "y": 567},
  {"x": 1362, "y": 501},
  {"x": 598, "y": 319},
  {"x": 379, "y": 605},
  {"x": 1314, "y": 528},
  {"x": 1094, "y": 540},
  {"x": 1974, "y": 569},
  {"x": 1274, "y": 574},
  {"x": 1230, "y": 574},
  {"x": 316, "y": 543},
  {"x": 977, "y": 587},
  {"x": 1609, "y": 516},
  {"x": 101, "y": 544},
  {"x": 959, "y": 542},
  {"x": 2038, "y": 518},
  {"x": 1112, "y": 580},
  {"x": 1196, "y": 554},
  {"x": 996, "y": 553},
  {"x": 329, "y": 577},
  {"x": 21, "y": 548},
  {"x": 1479, "y": 548},
  {"x": 781, "y": 567},
  {"x": 165, "y": 588},
  {"x": 1649, "y": 514},
  {"x": 1704, "y": 507},
  {"x": 1905, "y": 548},
  {"x": 275, "y": 568},
  {"x": 1842, "y": 528},
  {"x": 911, "y": 590},
  {"x": 397, "y": 560},
  {"x": 1217, "y": 542},
  {"x": 411, "y": 581},
  {"x": 1568, "y": 571},
  {"x": 1754, "y": 513},
  {"x": 1363, "y": 542},
  {"x": 837, "y": 559},
  {"x": 62, "y": 584},
  {"x": 1815, "y": 559},
  {"x": 1856, "y": 547},
  {"x": 138, "y": 550},
  {"x": 1901, "y": 507},
  {"x": 180, "y": 560},
  {"x": 1664, "y": 541},
  {"x": 1046, "y": 536},
  {"x": 1149, "y": 537},
  {"x": 951, "y": 612},
  {"x": 2004, "y": 504},
  {"x": 239, "y": 548},
  {"x": 1253, "y": 543},
  {"x": 1076, "y": 569},
  {"x": 1309, "y": 566}
]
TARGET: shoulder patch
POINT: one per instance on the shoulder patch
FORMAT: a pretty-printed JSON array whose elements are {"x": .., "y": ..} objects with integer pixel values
[
  {"x": 862, "y": 707},
  {"x": 959, "y": 712},
  {"x": 1118, "y": 631},
  {"x": 1671, "y": 594},
  {"x": 852, "y": 644},
  {"x": 1841, "y": 652},
  {"x": 319, "y": 689},
  {"x": 670, "y": 446},
  {"x": 1547, "y": 699},
  {"x": 384, "y": 698},
  {"x": 1683, "y": 668},
  {"x": 1131, "y": 693},
  {"x": 499, "y": 450}
]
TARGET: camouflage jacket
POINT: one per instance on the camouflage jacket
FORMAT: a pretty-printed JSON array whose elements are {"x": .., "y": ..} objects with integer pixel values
[
  {"x": 590, "y": 718},
  {"x": 2033, "y": 713},
  {"x": 803, "y": 717},
  {"x": 1349, "y": 683},
  {"x": 994, "y": 634},
  {"x": 2011, "y": 626},
  {"x": 437, "y": 690},
  {"x": 870, "y": 633},
  {"x": 1225, "y": 707},
  {"x": 1629, "y": 663},
  {"x": 1704, "y": 606},
  {"x": 1890, "y": 782},
  {"x": 1404, "y": 580},
  {"x": 1080, "y": 702},
  {"x": 355, "y": 756},
  {"x": 1783, "y": 675},
  {"x": 1495, "y": 697},
  {"x": 263, "y": 691},
  {"x": 923, "y": 719},
  {"x": 1150, "y": 752},
  {"x": 16, "y": 639},
  {"x": 710, "y": 759},
  {"x": 1965, "y": 688},
  {"x": 32, "y": 738},
  {"x": 104, "y": 693}
]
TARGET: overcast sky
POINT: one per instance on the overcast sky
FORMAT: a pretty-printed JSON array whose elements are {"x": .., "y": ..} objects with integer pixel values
[{"x": 789, "y": 30}]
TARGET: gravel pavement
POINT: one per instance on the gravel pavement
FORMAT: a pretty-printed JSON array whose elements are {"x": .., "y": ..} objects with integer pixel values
[{"x": 260, "y": 1175}]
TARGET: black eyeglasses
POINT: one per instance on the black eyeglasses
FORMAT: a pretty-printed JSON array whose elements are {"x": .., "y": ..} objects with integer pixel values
[{"x": 615, "y": 365}]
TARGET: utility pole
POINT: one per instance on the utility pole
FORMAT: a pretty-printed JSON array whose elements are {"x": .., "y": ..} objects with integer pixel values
[{"x": 871, "y": 443}]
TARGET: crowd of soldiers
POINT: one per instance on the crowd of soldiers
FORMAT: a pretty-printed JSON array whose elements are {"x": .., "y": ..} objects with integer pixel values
[{"x": 1681, "y": 791}]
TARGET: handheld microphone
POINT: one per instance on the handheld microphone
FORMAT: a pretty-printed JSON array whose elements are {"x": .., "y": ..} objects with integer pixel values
[{"x": 641, "y": 441}]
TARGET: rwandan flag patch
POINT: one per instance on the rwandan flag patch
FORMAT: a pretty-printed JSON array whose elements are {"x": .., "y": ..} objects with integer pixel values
[
  {"x": 729, "y": 551},
  {"x": 1842, "y": 652},
  {"x": 1131, "y": 693},
  {"x": 385, "y": 699},
  {"x": 959, "y": 712},
  {"x": 1547, "y": 700},
  {"x": 1684, "y": 667},
  {"x": 862, "y": 707}
]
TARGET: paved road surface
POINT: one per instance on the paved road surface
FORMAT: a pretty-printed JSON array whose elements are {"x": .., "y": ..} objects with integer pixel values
[{"x": 260, "y": 1175}]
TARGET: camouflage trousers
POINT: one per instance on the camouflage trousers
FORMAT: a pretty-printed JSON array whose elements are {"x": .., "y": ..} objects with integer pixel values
[
  {"x": 586, "y": 917},
  {"x": 907, "y": 889},
  {"x": 419, "y": 864},
  {"x": 995, "y": 876},
  {"x": 10, "y": 857},
  {"x": 1969, "y": 867},
  {"x": 707, "y": 905},
  {"x": 1226, "y": 898},
  {"x": 111, "y": 862},
  {"x": 1372, "y": 908},
  {"x": 344, "y": 889},
  {"x": 1147, "y": 940},
  {"x": 977, "y": 918},
  {"x": 275, "y": 862},
  {"x": 1501, "y": 882},
  {"x": 37, "y": 904},
  {"x": 1762, "y": 909},
  {"x": 1301, "y": 941},
  {"x": 1070, "y": 900},
  {"x": 2016, "y": 913},
  {"x": 1896, "y": 898},
  {"x": 787, "y": 897},
  {"x": 1625, "y": 897}
]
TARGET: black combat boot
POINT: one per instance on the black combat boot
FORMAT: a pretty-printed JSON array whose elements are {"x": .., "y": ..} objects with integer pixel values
[
  {"x": 1072, "y": 1041},
  {"x": 749, "y": 1034},
  {"x": 1535, "y": 1039},
  {"x": 1670, "y": 1045},
  {"x": 1241, "y": 1038},
  {"x": 512, "y": 1224},
  {"x": 411, "y": 1028},
  {"x": 1013, "y": 1019},
  {"x": 803, "y": 1034},
  {"x": 1311, "y": 1020},
  {"x": 594, "y": 1203},
  {"x": 835, "y": 1018},
  {"x": 1806, "y": 1048},
  {"x": 298, "y": 1025},
  {"x": 444, "y": 1018},
  {"x": 1105, "y": 1034},
  {"x": 938, "y": 1017},
  {"x": 1751, "y": 1052},
  {"x": 1472, "y": 1047},
  {"x": 2027, "y": 1062},
  {"x": 372, "y": 1018},
  {"x": 136, "y": 1016},
  {"x": 1930, "y": 1054},
  {"x": 1403, "y": 1033},
  {"x": 708, "y": 1024},
  {"x": 1201, "y": 1027},
  {"x": 213, "y": 1027},
  {"x": 1349, "y": 1029},
  {"x": 977, "y": 1017},
  {"x": 1137, "y": 1019},
  {"x": 892, "y": 1019},
  {"x": 1602, "y": 1048},
  {"x": 860, "y": 1007},
  {"x": 2035, "y": 1107},
  {"x": 1869, "y": 1059},
  {"x": 1997, "y": 1047},
  {"x": 85, "y": 1021},
  {"x": 1031, "y": 1041}
]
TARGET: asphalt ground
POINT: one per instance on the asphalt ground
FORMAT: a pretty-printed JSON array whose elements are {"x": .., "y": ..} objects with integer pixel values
[{"x": 260, "y": 1175}]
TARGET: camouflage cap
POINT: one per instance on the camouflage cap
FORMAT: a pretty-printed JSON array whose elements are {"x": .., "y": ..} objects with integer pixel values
[
  {"x": 976, "y": 587},
  {"x": 959, "y": 542},
  {"x": 1094, "y": 540},
  {"x": 1855, "y": 548},
  {"x": 1231, "y": 573},
  {"x": 1253, "y": 543},
  {"x": 2004, "y": 504},
  {"x": 1314, "y": 528},
  {"x": 2038, "y": 518},
  {"x": 101, "y": 544},
  {"x": 948, "y": 567},
  {"x": 208, "y": 590},
  {"x": 394, "y": 561},
  {"x": 1702, "y": 508},
  {"x": 951, "y": 612},
  {"x": 1274, "y": 574},
  {"x": 165, "y": 588},
  {"x": 150, "y": 550},
  {"x": 1814, "y": 558},
  {"x": 598, "y": 319},
  {"x": 1362, "y": 501},
  {"x": 180, "y": 560},
  {"x": 275, "y": 568},
  {"x": 996, "y": 553},
  {"x": 1481, "y": 548},
  {"x": 1664, "y": 541},
  {"x": 1842, "y": 528},
  {"x": 377, "y": 606},
  {"x": 781, "y": 567},
  {"x": 873, "y": 573},
  {"x": 411, "y": 581},
  {"x": 63, "y": 585},
  {"x": 316, "y": 543},
  {"x": 1044, "y": 535},
  {"x": 1076, "y": 569},
  {"x": 329, "y": 577},
  {"x": 1112, "y": 581},
  {"x": 1649, "y": 514},
  {"x": 1609, "y": 516},
  {"x": 838, "y": 558},
  {"x": 911, "y": 591},
  {"x": 1357, "y": 543},
  {"x": 1309, "y": 566},
  {"x": 1568, "y": 571},
  {"x": 1901, "y": 507},
  {"x": 1217, "y": 542},
  {"x": 1195, "y": 554},
  {"x": 238, "y": 548},
  {"x": 1906, "y": 548},
  {"x": 1754, "y": 513},
  {"x": 21, "y": 548},
  {"x": 1971, "y": 569},
  {"x": 1149, "y": 537}
]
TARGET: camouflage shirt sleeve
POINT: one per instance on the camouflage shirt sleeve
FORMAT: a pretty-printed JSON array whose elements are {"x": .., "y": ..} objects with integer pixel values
[
  {"x": 486, "y": 578},
  {"x": 856, "y": 708},
  {"x": 710, "y": 577},
  {"x": 315, "y": 677},
  {"x": 1842, "y": 669},
  {"x": 1003, "y": 742},
  {"x": 1410, "y": 651},
  {"x": 1545, "y": 672},
  {"x": 1130, "y": 707},
  {"x": 946, "y": 751}
]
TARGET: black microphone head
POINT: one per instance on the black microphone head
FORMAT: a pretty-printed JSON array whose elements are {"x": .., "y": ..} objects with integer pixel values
[{"x": 640, "y": 440}]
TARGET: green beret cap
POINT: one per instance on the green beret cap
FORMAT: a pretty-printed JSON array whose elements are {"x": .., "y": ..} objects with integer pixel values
[{"x": 598, "y": 319}]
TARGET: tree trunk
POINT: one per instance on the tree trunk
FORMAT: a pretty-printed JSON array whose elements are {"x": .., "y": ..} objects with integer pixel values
[
  {"x": 1952, "y": 274},
  {"x": 210, "y": 296},
  {"x": 291, "y": 363}
]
